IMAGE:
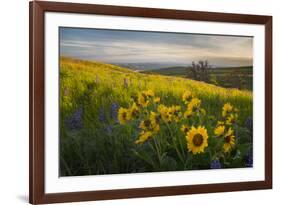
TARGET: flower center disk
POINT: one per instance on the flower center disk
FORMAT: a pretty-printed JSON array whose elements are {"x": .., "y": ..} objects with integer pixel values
[
  {"x": 228, "y": 138},
  {"x": 197, "y": 140}
]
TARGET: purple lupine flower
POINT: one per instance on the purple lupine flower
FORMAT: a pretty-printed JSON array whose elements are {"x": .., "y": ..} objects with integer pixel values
[
  {"x": 114, "y": 111},
  {"x": 102, "y": 116},
  {"x": 215, "y": 164},
  {"x": 249, "y": 159},
  {"x": 75, "y": 120}
]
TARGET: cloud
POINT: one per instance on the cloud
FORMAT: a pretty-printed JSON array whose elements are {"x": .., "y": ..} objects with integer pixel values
[{"x": 133, "y": 46}]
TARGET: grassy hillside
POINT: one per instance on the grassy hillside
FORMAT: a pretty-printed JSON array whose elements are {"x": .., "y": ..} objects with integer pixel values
[
  {"x": 92, "y": 140},
  {"x": 229, "y": 77},
  {"x": 179, "y": 71}
]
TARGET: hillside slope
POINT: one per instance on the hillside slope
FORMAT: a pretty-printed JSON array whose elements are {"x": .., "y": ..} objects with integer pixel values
[
  {"x": 123, "y": 83},
  {"x": 92, "y": 139}
]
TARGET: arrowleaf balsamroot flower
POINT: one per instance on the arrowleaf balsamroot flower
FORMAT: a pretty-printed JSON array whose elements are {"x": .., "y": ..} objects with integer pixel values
[
  {"x": 229, "y": 132},
  {"x": 188, "y": 113},
  {"x": 143, "y": 100},
  {"x": 134, "y": 110},
  {"x": 187, "y": 96},
  {"x": 144, "y": 136},
  {"x": 164, "y": 113},
  {"x": 227, "y": 108},
  {"x": 169, "y": 114},
  {"x": 145, "y": 124},
  {"x": 154, "y": 119},
  {"x": 149, "y": 93},
  {"x": 149, "y": 127},
  {"x": 192, "y": 107},
  {"x": 184, "y": 128},
  {"x": 220, "y": 123},
  {"x": 124, "y": 115},
  {"x": 203, "y": 111},
  {"x": 197, "y": 139},
  {"x": 231, "y": 119},
  {"x": 175, "y": 112},
  {"x": 157, "y": 100},
  {"x": 229, "y": 141},
  {"x": 151, "y": 124},
  {"x": 194, "y": 104},
  {"x": 219, "y": 130}
]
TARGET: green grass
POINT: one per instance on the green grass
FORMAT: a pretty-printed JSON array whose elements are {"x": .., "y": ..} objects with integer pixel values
[{"x": 93, "y": 142}]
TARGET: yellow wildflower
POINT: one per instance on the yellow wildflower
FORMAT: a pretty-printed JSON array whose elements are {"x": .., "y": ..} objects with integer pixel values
[
  {"x": 194, "y": 104},
  {"x": 157, "y": 100},
  {"x": 144, "y": 136},
  {"x": 229, "y": 143},
  {"x": 154, "y": 118},
  {"x": 231, "y": 119},
  {"x": 142, "y": 100},
  {"x": 165, "y": 115},
  {"x": 188, "y": 113},
  {"x": 145, "y": 124},
  {"x": 203, "y": 111},
  {"x": 184, "y": 128},
  {"x": 227, "y": 108},
  {"x": 134, "y": 110},
  {"x": 219, "y": 130},
  {"x": 220, "y": 123},
  {"x": 186, "y": 97},
  {"x": 151, "y": 124},
  {"x": 174, "y": 112},
  {"x": 197, "y": 139},
  {"x": 124, "y": 115},
  {"x": 149, "y": 93},
  {"x": 229, "y": 132}
]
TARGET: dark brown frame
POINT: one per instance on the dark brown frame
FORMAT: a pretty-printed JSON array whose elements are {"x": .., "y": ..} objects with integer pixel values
[{"x": 36, "y": 113}]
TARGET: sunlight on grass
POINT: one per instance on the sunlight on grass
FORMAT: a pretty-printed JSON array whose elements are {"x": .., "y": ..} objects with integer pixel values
[{"x": 92, "y": 140}]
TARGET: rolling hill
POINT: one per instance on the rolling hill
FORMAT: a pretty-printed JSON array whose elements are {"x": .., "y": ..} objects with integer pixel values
[{"x": 77, "y": 76}]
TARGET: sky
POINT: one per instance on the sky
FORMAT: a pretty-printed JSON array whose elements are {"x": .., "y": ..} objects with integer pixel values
[{"x": 120, "y": 46}]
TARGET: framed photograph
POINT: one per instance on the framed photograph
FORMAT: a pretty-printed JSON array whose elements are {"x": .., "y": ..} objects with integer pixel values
[{"x": 139, "y": 102}]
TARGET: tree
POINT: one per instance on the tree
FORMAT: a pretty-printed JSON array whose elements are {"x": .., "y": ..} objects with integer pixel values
[{"x": 201, "y": 71}]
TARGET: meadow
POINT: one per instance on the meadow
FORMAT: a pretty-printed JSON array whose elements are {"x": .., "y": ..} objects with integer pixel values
[{"x": 114, "y": 120}]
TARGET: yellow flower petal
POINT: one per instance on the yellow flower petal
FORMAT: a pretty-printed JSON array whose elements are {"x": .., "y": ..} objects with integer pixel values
[{"x": 219, "y": 130}]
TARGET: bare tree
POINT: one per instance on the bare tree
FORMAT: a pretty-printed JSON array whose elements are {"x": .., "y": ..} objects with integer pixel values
[{"x": 201, "y": 70}]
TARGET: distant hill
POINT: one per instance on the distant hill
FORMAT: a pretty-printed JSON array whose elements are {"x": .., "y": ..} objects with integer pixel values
[
  {"x": 148, "y": 66},
  {"x": 179, "y": 71}
]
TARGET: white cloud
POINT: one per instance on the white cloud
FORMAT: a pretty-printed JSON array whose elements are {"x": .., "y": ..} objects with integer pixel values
[{"x": 219, "y": 49}]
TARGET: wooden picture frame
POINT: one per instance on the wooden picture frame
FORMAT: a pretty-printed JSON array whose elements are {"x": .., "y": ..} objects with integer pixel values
[{"x": 37, "y": 11}]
